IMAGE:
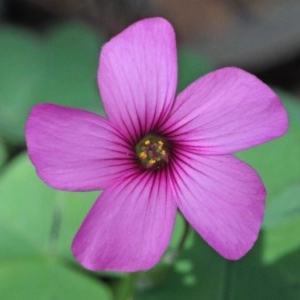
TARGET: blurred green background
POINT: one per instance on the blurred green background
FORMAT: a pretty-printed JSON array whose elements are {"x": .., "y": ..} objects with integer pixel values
[{"x": 49, "y": 53}]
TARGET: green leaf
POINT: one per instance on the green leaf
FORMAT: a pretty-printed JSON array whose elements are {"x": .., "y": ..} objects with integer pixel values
[
  {"x": 281, "y": 225},
  {"x": 73, "y": 208},
  {"x": 281, "y": 239},
  {"x": 26, "y": 205},
  {"x": 60, "y": 67},
  {"x": 71, "y": 54},
  {"x": 14, "y": 244},
  {"x": 289, "y": 267},
  {"x": 283, "y": 207},
  {"x": 19, "y": 77},
  {"x": 191, "y": 65},
  {"x": 38, "y": 211},
  {"x": 45, "y": 279},
  {"x": 38, "y": 223},
  {"x": 3, "y": 153},
  {"x": 199, "y": 272},
  {"x": 251, "y": 279}
]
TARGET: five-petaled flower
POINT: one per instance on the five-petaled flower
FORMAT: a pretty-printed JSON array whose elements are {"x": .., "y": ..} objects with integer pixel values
[{"x": 156, "y": 153}]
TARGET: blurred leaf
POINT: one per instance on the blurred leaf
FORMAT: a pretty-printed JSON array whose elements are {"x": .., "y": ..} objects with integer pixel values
[
  {"x": 43, "y": 280},
  {"x": 199, "y": 274},
  {"x": 250, "y": 279},
  {"x": 39, "y": 222},
  {"x": 281, "y": 239},
  {"x": 3, "y": 154},
  {"x": 281, "y": 224},
  {"x": 14, "y": 244},
  {"x": 289, "y": 267},
  {"x": 71, "y": 53},
  {"x": 27, "y": 202},
  {"x": 19, "y": 77},
  {"x": 60, "y": 67},
  {"x": 73, "y": 208},
  {"x": 191, "y": 65},
  {"x": 284, "y": 206}
]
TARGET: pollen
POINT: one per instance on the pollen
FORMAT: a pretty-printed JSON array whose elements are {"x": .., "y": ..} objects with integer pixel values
[
  {"x": 151, "y": 162},
  {"x": 153, "y": 152},
  {"x": 143, "y": 155}
]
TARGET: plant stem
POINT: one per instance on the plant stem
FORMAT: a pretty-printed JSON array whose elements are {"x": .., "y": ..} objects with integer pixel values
[
  {"x": 127, "y": 287},
  {"x": 184, "y": 237},
  {"x": 173, "y": 255}
]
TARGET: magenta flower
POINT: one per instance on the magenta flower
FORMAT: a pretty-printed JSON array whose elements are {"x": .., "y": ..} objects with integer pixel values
[{"x": 155, "y": 153}]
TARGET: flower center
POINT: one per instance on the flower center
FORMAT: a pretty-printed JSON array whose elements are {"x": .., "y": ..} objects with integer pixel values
[{"x": 152, "y": 152}]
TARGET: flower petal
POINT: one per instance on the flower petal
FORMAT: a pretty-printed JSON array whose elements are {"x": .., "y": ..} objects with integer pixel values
[
  {"x": 74, "y": 149},
  {"x": 129, "y": 227},
  {"x": 138, "y": 76},
  {"x": 226, "y": 111},
  {"x": 223, "y": 199}
]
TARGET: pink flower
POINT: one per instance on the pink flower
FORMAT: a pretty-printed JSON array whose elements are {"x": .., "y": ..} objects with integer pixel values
[{"x": 155, "y": 153}]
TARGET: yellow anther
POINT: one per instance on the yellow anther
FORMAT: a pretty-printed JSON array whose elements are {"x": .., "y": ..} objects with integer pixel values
[
  {"x": 143, "y": 155},
  {"x": 160, "y": 143},
  {"x": 147, "y": 142},
  {"x": 152, "y": 162},
  {"x": 163, "y": 152}
]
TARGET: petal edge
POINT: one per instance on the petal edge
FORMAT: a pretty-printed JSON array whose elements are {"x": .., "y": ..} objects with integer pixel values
[
  {"x": 75, "y": 150},
  {"x": 226, "y": 111},
  {"x": 223, "y": 199}
]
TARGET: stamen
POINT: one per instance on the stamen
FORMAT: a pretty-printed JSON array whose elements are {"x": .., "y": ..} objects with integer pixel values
[
  {"x": 143, "y": 155},
  {"x": 152, "y": 152},
  {"x": 151, "y": 162}
]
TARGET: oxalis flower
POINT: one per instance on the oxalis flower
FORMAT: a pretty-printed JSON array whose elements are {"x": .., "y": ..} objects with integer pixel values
[{"x": 155, "y": 153}]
